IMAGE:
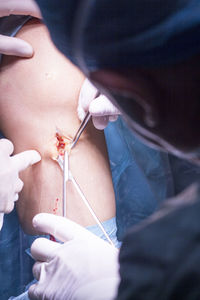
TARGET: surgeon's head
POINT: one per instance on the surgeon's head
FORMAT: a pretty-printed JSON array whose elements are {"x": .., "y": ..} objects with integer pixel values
[
  {"x": 161, "y": 104},
  {"x": 145, "y": 56}
]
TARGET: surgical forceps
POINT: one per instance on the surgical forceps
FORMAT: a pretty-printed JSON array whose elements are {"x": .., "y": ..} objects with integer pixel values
[
  {"x": 66, "y": 158},
  {"x": 64, "y": 163},
  {"x": 80, "y": 130},
  {"x": 67, "y": 176}
]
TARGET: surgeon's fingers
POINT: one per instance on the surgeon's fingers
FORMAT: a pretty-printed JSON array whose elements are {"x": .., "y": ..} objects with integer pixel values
[
  {"x": 19, "y": 185},
  {"x": 15, "y": 46},
  {"x": 113, "y": 118},
  {"x": 100, "y": 122},
  {"x": 16, "y": 197},
  {"x": 102, "y": 106},
  {"x": 43, "y": 249},
  {"x": 61, "y": 228},
  {"x": 39, "y": 270},
  {"x": 27, "y": 7},
  {"x": 32, "y": 292},
  {"x": 6, "y": 146},
  {"x": 36, "y": 270},
  {"x": 25, "y": 159},
  {"x": 87, "y": 93}
]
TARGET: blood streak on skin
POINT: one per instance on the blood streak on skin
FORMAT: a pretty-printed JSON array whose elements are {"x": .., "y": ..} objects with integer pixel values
[
  {"x": 56, "y": 207},
  {"x": 52, "y": 238}
]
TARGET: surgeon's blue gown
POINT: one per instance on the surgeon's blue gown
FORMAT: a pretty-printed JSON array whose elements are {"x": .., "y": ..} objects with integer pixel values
[
  {"x": 15, "y": 264},
  {"x": 142, "y": 179}
]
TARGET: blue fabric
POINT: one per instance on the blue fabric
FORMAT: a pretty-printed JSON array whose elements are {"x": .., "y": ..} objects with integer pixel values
[
  {"x": 23, "y": 296},
  {"x": 15, "y": 264},
  {"x": 183, "y": 173},
  {"x": 142, "y": 177},
  {"x": 110, "y": 228},
  {"x": 132, "y": 33}
]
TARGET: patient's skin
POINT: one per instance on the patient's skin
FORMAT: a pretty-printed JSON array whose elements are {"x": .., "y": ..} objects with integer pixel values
[{"x": 37, "y": 96}]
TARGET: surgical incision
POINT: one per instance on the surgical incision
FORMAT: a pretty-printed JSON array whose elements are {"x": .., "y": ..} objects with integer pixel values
[{"x": 61, "y": 143}]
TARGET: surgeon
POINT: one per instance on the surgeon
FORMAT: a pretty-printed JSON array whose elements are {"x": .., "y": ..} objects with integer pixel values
[{"x": 145, "y": 56}]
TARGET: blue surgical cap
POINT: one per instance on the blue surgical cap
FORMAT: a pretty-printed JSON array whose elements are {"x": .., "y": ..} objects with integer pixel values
[{"x": 124, "y": 33}]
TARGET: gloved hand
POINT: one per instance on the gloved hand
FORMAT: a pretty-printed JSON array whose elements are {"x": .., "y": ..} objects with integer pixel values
[
  {"x": 100, "y": 107},
  {"x": 84, "y": 267},
  {"x": 10, "y": 183},
  {"x": 11, "y": 45}
]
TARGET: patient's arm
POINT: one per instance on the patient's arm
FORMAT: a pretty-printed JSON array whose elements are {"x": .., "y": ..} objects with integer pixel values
[{"x": 37, "y": 96}]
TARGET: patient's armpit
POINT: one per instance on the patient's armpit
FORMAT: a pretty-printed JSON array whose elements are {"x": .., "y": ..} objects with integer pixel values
[{"x": 39, "y": 96}]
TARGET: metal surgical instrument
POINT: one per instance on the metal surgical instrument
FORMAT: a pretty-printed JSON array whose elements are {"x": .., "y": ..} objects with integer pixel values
[
  {"x": 64, "y": 162},
  {"x": 67, "y": 176},
  {"x": 64, "y": 165},
  {"x": 80, "y": 130},
  {"x": 65, "y": 179}
]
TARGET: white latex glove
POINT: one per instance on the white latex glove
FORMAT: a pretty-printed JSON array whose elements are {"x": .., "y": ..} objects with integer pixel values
[
  {"x": 101, "y": 109},
  {"x": 84, "y": 267},
  {"x": 12, "y": 45},
  {"x": 10, "y": 166}
]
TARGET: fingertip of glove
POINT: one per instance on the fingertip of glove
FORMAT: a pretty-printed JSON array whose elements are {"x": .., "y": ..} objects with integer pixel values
[
  {"x": 113, "y": 118},
  {"x": 31, "y": 291},
  {"x": 6, "y": 146},
  {"x": 36, "y": 156},
  {"x": 37, "y": 219},
  {"x": 26, "y": 50},
  {"x": 81, "y": 113},
  {"x": 100, "y": 123},
  {"x": 43, "y": 219}
]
